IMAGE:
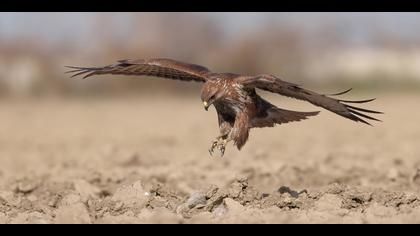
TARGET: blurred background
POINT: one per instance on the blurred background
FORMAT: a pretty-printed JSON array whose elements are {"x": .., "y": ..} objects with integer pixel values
[{"x": 364, "y": 50}]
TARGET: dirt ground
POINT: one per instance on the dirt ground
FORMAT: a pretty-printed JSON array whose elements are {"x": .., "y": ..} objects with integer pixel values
[{"x": 145, "y": 160}]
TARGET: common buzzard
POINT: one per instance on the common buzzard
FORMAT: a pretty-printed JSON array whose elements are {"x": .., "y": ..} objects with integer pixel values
[{"x": 239, "y": 107}]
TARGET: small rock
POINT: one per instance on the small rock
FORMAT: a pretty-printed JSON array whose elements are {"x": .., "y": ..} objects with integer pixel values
[
  {"x": 196, "y": 198},
  {"x": 237, "y": 187},
  {"x": 284, "y": 201},
  {"x": 216, "y": 200},
  {"x": 196, "y": 201},
  {"x": 243, "y": 180},
  {"x": 355, "y": 199},
  {"x": 220, "y": 210},
  {"x": 285, "y": 189},
  {"x": 235, "y": 190},
  {"x": 211, "y": 191},
  {"x": 26, "y": 186}
]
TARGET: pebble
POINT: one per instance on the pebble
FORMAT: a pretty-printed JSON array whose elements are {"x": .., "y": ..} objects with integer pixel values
[{"x": 196, "y": 198}]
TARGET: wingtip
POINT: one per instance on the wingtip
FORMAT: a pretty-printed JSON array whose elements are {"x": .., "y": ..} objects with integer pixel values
[
  {"x": 368, "y": 124},
  {"x": 80, "y": 71},
  {"x": 75, "y": 67},
  {"x": 363, "y": 121},
  {"x": 362, "y": 109}
]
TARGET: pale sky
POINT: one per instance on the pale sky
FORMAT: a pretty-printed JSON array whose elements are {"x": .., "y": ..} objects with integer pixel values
[{"x": 55, "y": 27}]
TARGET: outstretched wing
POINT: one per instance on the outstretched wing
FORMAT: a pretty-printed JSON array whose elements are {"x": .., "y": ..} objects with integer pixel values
[
  {"x": 165, "y": 68},
  {"x": 276, "y": 85}
]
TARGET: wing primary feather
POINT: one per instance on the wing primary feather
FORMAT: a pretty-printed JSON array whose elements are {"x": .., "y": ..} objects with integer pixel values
[
  {"x": 82, "y": 68},
  {"x": 361, "y": 120},
  {"x": 276, "y": 85},
  {"x": 80, "y": 73},
  {"x": 74, "y": 67},
  {"x": 79, "y": 69},
  {"x": 158, "y": 67},
  {"x": 72, "y": 71},
  {"x": 363, "y": 110},
  {"x": 357, "y": 119},
  {"x": 90, "y": 74},
  {"x": 340, "y": 93},
  {"x": 359, "y": 101},
  {"x": 363, "y": 115}
]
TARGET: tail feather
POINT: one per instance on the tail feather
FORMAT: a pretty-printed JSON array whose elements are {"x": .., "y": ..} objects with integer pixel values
[
  {"x": 277, "y": 115},
  {"x": 284, "y": 116}
]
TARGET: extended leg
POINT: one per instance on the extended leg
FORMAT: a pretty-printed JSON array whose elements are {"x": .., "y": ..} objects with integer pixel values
[
  {"x": 225, "y": 127},
  {"x": 220, "y": 142}
]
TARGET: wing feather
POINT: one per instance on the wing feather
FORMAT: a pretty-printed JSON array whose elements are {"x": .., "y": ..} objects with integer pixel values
[
  {"x": 159, "y": 67},
  {"x": 273, "y": 84}
]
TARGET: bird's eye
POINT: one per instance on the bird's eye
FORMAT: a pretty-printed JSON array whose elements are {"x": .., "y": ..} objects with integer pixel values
[{"x": 213, "y": 96}]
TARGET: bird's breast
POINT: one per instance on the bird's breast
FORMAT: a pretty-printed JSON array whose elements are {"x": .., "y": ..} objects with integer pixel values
[
  {"x": 236, "y": 99},
  {"x": 232, "y": 105},
  {"x": 227, "y": 107}
]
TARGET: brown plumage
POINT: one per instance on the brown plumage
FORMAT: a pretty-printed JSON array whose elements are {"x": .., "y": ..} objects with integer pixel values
[{"x": 239, "y": 107}]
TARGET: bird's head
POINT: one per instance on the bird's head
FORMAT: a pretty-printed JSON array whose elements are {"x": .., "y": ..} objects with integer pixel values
[{"x": 210, "y": 93}]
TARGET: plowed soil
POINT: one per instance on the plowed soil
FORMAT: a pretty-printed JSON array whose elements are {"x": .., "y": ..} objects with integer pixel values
[{"x": 145, "y": 160}]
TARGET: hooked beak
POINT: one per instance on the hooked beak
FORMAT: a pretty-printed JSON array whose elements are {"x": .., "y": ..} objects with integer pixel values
[{"x": 206, "y": 105}]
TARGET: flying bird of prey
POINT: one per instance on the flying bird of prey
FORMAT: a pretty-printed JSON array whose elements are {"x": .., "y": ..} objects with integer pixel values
[{"x": 239, "y": 107}]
